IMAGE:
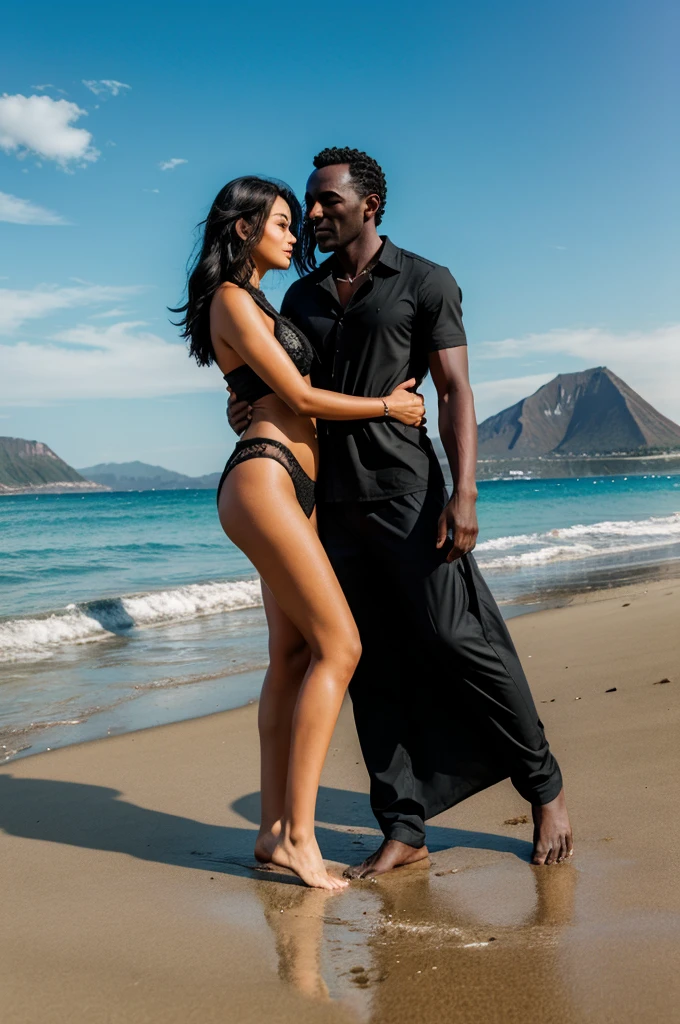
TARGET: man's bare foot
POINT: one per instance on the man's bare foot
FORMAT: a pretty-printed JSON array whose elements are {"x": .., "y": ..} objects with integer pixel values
[
  {"x": 266, "y": 841},
  {"x": 391, "y": 854},
  {"x": 304, "y": 858},
  {"x": 553, "y": 840}
]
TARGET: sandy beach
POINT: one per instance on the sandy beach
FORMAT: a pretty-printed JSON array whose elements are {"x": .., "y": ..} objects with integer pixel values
[{"x": 128, "y": 893}]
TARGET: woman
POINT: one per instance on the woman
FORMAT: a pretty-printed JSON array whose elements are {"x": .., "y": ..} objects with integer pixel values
[{"x": 266, "y": 501}]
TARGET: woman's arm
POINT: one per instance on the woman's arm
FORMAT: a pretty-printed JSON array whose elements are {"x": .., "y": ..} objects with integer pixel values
[{"x": 234, "y": 315}]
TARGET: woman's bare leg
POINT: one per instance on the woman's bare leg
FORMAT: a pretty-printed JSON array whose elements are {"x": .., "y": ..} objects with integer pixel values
[
  {"x": 288, "y": 663},
  {"x": 259, "y": 512}
]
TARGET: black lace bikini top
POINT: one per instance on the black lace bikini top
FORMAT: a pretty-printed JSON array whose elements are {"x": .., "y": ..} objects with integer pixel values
[{"x": 243, "y": 381}]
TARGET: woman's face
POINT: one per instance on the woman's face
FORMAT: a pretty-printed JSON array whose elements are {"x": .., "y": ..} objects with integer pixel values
[{"x": 274, "y": 251}]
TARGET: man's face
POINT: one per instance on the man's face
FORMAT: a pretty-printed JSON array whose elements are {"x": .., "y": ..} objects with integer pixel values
[{"x": 333, "y": 207}]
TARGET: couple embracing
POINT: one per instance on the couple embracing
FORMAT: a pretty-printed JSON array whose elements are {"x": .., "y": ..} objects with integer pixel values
[{"x": 336, "y": 496}]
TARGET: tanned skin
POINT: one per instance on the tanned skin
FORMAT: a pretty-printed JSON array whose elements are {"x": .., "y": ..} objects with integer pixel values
[
  {"x": 344, "y": 224},
  {"x": 314, "y": 644}
]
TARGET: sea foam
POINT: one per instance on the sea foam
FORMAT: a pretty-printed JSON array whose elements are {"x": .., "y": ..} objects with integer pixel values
[
  {"x": 38, "y": 636},
  {"x": 569, "y": 543}
]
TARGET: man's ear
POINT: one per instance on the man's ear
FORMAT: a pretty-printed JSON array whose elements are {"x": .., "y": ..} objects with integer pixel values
[
  {"x": 371, "y": 206},
  {"x": 242, "y": 228}
]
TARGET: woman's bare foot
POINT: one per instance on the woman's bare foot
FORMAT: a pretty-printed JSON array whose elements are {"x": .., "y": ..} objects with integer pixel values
[
  {"x": 266, "y": 841},
  {"x": 391, "y": 854},
  {"x": 304, "y": 858},
  {"x": 553, "y": 839}
]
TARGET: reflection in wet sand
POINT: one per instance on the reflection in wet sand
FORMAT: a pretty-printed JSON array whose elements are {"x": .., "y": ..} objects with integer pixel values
[
  {"x": 323, "y": 942},
  {"x": 475, "y": 944},
  {"x": 296, "y": 916}
]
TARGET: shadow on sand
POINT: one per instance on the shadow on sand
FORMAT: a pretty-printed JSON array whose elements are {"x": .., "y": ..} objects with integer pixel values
[{"x": 96, "y": 817}]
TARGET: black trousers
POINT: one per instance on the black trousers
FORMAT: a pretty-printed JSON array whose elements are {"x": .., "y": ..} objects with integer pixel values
[{"x": 441, "y": 703}]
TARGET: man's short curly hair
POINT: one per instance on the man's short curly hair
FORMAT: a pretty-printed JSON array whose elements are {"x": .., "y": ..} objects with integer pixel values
[{"x": 365, "y": 172}]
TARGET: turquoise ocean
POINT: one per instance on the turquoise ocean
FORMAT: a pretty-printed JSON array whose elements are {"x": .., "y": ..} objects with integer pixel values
[{"x": 125, "y": 610}]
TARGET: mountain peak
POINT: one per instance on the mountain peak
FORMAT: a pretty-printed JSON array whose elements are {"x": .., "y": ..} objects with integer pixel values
[
  {"x": 582, "y": 413},
  {"x": 27, "y": 465}
]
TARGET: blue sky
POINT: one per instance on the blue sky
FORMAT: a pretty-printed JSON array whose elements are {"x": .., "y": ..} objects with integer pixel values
[{"x": 531, "y": 147}]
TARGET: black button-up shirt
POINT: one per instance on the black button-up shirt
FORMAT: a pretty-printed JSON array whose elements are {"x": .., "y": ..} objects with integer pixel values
[{"x": 407, "y": 308}]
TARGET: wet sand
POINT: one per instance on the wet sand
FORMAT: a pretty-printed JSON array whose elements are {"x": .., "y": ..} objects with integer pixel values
[{"x": 128, "y": 895}]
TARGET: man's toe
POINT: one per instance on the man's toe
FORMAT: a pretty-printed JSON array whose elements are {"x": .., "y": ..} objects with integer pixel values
[{"x": 353, "y": 871}]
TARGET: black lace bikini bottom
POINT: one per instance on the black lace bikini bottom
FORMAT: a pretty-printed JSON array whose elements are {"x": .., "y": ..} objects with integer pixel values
[{"x": 268, "y": 448}]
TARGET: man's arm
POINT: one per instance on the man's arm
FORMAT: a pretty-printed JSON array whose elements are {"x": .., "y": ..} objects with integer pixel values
[
  {"x": 239, "y": 414},
  {"x": 458, "y": 433},
  {"x": 442, "y": 322}
]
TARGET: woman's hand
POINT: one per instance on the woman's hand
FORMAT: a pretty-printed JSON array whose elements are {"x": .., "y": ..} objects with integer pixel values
[{"x": 405, "y": 406}]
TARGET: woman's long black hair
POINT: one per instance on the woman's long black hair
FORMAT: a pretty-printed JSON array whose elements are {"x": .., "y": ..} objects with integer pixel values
[{"x": 225, "y": 256}]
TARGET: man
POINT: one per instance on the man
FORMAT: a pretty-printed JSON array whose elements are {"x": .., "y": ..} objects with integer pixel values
[{"x": 441, "y": 703}]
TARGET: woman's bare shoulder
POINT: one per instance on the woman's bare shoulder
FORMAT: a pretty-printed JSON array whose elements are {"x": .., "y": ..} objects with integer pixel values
[
  {"x": 232, "y": 296},
  {"x": 230, "y": 303}
]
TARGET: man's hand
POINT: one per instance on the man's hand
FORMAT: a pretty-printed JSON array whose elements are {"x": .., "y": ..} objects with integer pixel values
[
  {"x": 239, "y": 414},
  {"x": 460, "y": 517}
]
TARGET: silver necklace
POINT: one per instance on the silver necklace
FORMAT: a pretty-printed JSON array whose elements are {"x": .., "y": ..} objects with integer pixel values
[
  {"x": 367, "y": 269},
  {"x": 351, "y": 280}
]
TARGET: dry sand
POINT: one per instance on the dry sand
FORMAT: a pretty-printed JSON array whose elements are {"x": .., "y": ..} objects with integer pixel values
[{"x": 127, "y": 896}]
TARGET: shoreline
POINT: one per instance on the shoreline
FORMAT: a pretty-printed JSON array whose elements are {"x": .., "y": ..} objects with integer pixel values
[
  {"x": 63, "y": 487},
  {"x": 160, "y": 707},
  {"x": 129, "y": 890},
  {"x": 156, "y": 707},
  {"x": 599, "y": 581}
]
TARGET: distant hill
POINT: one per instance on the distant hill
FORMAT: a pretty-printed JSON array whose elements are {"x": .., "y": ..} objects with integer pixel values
[
  {"x": 579, "y": 424},
  {"x": 28, "y": 466},
  {"x": 139, "y": 476},
  {"x": 592, "y": 412}
]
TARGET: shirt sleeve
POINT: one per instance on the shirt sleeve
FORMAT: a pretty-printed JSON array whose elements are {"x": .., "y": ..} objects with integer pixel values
[{"x": 440, "y": 311}]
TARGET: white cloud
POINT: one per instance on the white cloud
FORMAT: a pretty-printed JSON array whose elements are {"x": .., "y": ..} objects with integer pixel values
[
  {"x": 169, "y": 165},
  {"x": 41, "y": 125},
  {"x": 21, "y": 211},
  {"x": 109, "y": 314},
  {"x": 41, "y": 88},
  {"x": 103, "y": 86},
  {"x": 119, "y": 361},
  {"x": 17, "y": 307},
  {"x": 648, "y": 361}
]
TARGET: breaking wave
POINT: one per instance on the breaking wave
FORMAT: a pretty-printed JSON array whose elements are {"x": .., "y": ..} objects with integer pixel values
[
  {"x": 37, "y": 636},
  {"x": 571, "y": 543}
]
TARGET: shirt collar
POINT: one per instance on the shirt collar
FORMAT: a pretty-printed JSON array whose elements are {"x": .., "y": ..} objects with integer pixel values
[
  {"x": 390, "y": 256},
  {"x": 389, "y": 259}
]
